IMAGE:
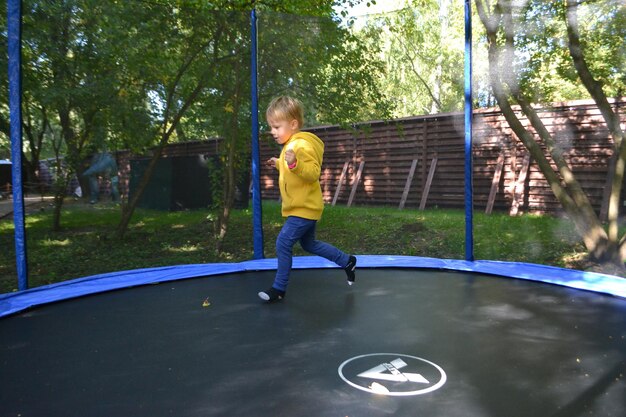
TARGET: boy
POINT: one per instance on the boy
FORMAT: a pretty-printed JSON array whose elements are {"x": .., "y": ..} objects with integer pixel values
[{"x": 299, "y": 166}]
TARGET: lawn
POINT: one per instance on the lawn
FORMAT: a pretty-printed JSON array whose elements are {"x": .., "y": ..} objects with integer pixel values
[{"x": 87, "y": 246}]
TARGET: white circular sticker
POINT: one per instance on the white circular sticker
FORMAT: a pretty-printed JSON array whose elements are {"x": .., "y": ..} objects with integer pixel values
[{"x": 392, "y": 374}]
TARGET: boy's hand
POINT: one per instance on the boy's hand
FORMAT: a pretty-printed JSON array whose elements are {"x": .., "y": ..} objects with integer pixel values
[
  {"x": 271, "y": 162},
  {"x": 290, "y": 157}
]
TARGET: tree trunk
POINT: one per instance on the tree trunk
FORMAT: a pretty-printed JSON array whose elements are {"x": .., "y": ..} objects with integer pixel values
[
  {"x": 230, "y": 177},
  {"x": 612, "y": 119},
  {"x": 59, "y": 198},
  {"x": 128, "y": 208},
  {"x": 60, "y": 187}
]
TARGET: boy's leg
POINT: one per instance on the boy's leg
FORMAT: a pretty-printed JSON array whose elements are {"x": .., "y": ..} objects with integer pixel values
[
  {"x": 328, "y": 251},
  {"x": 323, "y": 249},
  {"x": 291, "y": 232}
]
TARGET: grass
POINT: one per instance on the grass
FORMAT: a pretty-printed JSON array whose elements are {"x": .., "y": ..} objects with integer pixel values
[{"x": 87, "y": 246}]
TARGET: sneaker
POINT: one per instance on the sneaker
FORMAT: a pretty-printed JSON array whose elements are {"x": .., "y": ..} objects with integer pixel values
[
  {"x": 350, "y": 270},
  {"x": 272, "y": 295}
]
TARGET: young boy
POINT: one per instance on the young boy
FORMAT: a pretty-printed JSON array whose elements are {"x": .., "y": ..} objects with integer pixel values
[{"x": 299, "y": 167}]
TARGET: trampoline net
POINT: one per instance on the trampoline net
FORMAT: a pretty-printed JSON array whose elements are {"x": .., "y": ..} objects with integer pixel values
[
  {"x": 106, "y": 87},
  {"x": 125, "y": 81},
  {"x": 538, "y": 131},
  {"x": 384, "y": 96}
]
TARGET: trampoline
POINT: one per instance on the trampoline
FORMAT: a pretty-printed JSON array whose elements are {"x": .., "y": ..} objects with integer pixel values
[{"x": 413, "y": 336}]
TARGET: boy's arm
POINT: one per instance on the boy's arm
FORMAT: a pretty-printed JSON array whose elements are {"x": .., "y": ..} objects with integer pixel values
[
  {"x": 307, "y": 166},
  {"x": 272, "y": 162}
]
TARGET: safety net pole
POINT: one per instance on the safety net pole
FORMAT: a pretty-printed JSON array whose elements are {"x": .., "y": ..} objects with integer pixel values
[
  {"x": 469, "y": 198},
  {"x": 14, "y": 31},
  {"x": 257, "y": 218}
]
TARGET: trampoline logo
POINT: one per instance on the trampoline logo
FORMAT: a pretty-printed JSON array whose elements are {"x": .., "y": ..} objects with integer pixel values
[{"x": 392, "y": 374}]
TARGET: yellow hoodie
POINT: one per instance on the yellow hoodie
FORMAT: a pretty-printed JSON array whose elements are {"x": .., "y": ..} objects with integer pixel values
[{"x": 300, "y": 187}]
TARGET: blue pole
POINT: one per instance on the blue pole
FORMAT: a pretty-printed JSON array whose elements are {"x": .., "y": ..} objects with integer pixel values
[
  {"x": 257, "y": 214},
  {"x": 14, "y": 30},
  {"x": 469, "y": 198}
]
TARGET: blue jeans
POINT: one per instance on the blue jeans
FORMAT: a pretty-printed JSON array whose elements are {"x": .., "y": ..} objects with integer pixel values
[{"x": 298, "y": 229}]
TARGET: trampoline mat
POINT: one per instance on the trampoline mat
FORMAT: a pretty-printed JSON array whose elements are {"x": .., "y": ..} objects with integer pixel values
[{"x": 210, "y": 347}]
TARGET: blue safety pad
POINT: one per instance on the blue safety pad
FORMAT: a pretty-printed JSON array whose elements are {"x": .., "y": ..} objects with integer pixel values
[{"x": 12, "y": 303}]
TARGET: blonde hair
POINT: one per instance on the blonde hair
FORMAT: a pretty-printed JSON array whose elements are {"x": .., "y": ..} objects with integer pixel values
[{"x": 285, "y": 108}]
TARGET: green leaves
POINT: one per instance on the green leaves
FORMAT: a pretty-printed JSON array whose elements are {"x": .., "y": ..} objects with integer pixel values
[
  {"x": 322, "y": 63},
  {"x": 543, "y": 62},
  {"x": 422, "y": 50}
]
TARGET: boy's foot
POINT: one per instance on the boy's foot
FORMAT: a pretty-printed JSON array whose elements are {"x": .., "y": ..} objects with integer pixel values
[
  {"x": 272, "y": 295},
  {"x": 350, "y": 270}
]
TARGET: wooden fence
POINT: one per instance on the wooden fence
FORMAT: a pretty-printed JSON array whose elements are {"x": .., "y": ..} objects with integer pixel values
[{"x": 418, "y": 162}]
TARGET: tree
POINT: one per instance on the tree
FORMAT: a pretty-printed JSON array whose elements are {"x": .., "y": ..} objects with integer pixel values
[
  {"x": 199, "y": 46},
  {"x": 139, "y": 75},
  {"x": 422, "y": 47},
  {"x": 309, "y": 56},
  {"x": 69, "y": 81},
  {"x": 213, "y": 49},
  {"x": 321, "y": 62},
  {"x": 511, "y": 84},
  {"x": 75, "y": 97}
]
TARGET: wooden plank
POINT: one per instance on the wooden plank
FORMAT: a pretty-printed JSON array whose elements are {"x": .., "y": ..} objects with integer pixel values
[
  {"x": 509, "y": 186},
  {"x": 407, "y": 186},
  {"x": 429, "y": 181},
  {"x": 494, "y": 183},
  {"x": 340, "y": 182},
  {"x": 518, "y": 194},
  {"x": 606, "y": 193},
  {"x": 356, "y": 183}
]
